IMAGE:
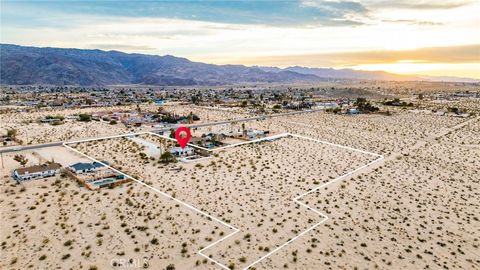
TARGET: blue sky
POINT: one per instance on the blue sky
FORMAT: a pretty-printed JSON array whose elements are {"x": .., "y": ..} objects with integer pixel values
[
  {"x": 295, "y": 13},
  {"x": 424, "y": 36}
]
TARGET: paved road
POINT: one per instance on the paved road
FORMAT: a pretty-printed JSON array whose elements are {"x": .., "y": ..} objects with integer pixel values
[
  {"x": 29, "y": 147},
  {"x": 262, "y": 117}
]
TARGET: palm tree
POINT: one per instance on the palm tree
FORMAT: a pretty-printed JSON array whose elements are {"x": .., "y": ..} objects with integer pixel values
[
  {"x": 232, "y": 125},
  {"x": 190, "y": 118}
]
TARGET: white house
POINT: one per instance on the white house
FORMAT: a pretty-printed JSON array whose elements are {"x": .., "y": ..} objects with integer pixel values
[
  {"x": 178, "y": 151},
  {"x": 353, "y": 111},
  {"x": 37, "y": 171},
  {"x": 253, "y": 134}
]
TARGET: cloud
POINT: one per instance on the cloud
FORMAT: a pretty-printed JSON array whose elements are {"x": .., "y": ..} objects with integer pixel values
[
  {"x": 419, "y": 5},
  {"x": 121, "y": 47},
  {"x": 272, "y": 13},
  {"x": 447, "y": 55},
  {"x": 414, "y": 22},
  {"x": 337, "y": 13},
  {"x": 340, "y": 7},
  {"x": 304, "y": 32}
]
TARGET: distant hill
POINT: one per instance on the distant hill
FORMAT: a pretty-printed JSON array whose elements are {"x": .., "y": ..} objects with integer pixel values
[
  {"x": 365, "y": 75},
  {"x": 20, "y": 65},
  {"x": 345, "y": 73}
]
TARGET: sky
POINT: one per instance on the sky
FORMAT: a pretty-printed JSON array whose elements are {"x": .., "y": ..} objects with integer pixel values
[{"x": 407, "y": 37}]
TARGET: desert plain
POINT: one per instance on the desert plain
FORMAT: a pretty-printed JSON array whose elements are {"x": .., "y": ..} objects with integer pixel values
[{"x": 397, "y": 191}]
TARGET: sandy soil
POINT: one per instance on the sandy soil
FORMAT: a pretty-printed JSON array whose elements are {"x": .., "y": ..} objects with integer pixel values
[
  {"x": 418, "y": 208},
  {"x": 467, "y": 135},
  {"x": 54, "y": 223},
  {"x": 416, "y": 211},
  {"x": 251, "y": 187}
]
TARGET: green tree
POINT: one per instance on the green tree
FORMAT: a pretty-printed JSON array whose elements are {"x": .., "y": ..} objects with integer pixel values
[
  {"x": 21, "y": 159},
  {"x": 167, "y": 157},
  {"x": 365, "y": 106},
  {"x": 12, "y": 133},
  {"x": 84, "y": 117}
]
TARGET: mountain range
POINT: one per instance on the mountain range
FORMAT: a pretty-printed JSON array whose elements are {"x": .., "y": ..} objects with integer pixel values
[{"x": 21, "y": 65}]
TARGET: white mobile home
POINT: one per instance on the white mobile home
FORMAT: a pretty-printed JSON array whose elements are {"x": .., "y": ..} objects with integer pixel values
[{"x": 37, "y": 171}]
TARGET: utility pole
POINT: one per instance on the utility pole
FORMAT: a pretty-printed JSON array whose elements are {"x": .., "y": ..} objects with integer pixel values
[{"x": 3, "y": 166}]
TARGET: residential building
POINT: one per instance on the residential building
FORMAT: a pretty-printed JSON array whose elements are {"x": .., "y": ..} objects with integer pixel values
[
  {"x": 37, "y": 171},
  {"x": 178, "y": 151},
  {"x": 86, "y": 167},
  {"x": 353, "y": 111},
  {"x": 253, "y": 134}
]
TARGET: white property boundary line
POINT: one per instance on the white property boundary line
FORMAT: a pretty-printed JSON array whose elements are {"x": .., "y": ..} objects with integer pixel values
[
  {"x": 235, "y": 230},
  {"x": 274, "y": 137}
]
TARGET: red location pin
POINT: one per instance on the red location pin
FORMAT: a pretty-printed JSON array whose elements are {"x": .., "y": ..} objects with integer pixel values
[{"x": 182, "y": 134}]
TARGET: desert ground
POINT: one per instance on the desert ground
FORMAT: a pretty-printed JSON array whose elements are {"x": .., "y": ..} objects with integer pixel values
[
  {"x": 416, "y": 208},
  {"x": 31, "y": 131},
  {"x": 54, "y": 223},
  {"x": 252, "y": 187}
]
